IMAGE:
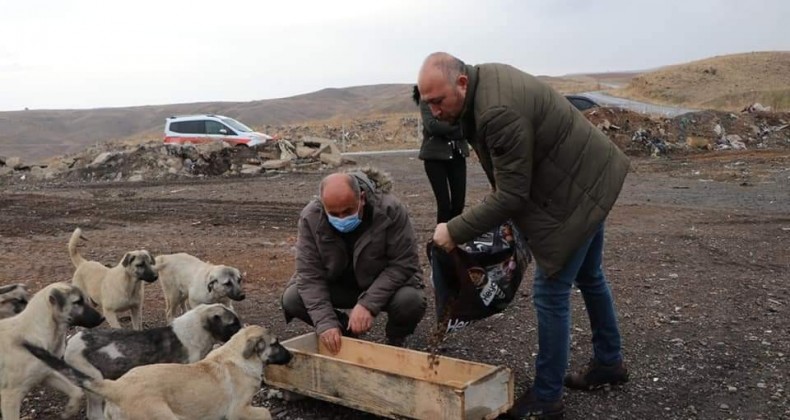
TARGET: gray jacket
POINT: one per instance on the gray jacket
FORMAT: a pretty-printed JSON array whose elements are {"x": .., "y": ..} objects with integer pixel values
[{"x": 385, "y": 255}]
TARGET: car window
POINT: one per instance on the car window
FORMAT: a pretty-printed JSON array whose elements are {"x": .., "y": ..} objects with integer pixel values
[
  {"x": 236, "y": 125},
  {"x": 214, "y": 127},
  {"x": 188, "y": 127},
  {"x": 581, "y": 103}
]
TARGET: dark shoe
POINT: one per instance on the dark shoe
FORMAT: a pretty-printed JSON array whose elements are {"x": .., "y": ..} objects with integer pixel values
[
  {"x": 396, "y": 341},
  {"x": 596, "y": 375},
  {"x": 528, "y": 406}
]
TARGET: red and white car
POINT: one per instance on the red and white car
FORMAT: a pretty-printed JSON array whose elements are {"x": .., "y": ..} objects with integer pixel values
[{"x": 196, "y": 129}]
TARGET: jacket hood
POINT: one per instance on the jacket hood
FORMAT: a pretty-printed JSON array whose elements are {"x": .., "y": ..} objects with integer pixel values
[{"x": 372, "y": 180}]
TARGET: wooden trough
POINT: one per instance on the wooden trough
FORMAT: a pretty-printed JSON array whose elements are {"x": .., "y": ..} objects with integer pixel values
[{"x": 393, "y": 382}]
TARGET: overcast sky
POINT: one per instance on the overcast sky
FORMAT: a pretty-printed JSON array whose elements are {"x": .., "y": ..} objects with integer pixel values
[{"x": 88, "y": 54}]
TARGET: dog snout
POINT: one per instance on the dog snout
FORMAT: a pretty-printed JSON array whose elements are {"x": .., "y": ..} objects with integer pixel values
[
  {"x": 279, "y": 355},
  {"x": 89, "y": 318}
]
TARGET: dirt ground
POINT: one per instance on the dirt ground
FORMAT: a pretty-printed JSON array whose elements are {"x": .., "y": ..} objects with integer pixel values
[{"x": 698, "y": 253}]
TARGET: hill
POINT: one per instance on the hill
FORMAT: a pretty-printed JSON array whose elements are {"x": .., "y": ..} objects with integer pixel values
[
  {"x": 36, "y": 134},
  {"x": 727, "y": 83}
]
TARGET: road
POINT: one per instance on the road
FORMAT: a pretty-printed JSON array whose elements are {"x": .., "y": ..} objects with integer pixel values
[{"x": 645, "y": 108}]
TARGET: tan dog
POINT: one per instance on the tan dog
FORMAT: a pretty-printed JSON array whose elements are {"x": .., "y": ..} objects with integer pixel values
[
  {"x": 115, "y": 289},
  {"x": 188, "y": 281},
  {"x": 13, "y": 299},
  {"x": 221, "y": 386},
  {"x": 44, "y": 322}
]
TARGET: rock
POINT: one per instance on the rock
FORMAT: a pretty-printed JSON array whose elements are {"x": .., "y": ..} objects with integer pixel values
[
  {"x": 304, "y": 152},
  {"x": 102, "y": 158},
  {"x": 136, "y": 178},
  {"x": 205, "y": 150},
  {"x": 13, "y": 162},
  {"x": 286, "y": 150},
  {"x": 2, "y": 160},
  {"x": 732, "y": 389},
  {"x": 333, "y": 159},
  {"x": 276, "y": 164},
  {"x": 251, "y": 169},
  {"x": 718, "y": 130},
  {"x": 698, "y": 142},
  {"x": 5, "y": 170}
]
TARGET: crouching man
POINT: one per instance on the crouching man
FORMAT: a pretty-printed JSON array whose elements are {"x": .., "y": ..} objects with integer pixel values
[{"x": 356, "y": 250}]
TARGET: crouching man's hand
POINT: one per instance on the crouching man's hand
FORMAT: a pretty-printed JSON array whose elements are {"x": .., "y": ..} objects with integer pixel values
[
  {"x": 331, "y": 339},
  {"x": 361, "y": 320}
]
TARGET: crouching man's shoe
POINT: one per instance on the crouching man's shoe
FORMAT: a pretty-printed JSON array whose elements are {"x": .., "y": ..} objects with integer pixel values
[
  {"x": 596, "y": 375},
  {"x": 528, "y": 406}
]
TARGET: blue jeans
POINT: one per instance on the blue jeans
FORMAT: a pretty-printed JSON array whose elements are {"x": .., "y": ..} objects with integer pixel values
[{"x": 551, "y": 297}]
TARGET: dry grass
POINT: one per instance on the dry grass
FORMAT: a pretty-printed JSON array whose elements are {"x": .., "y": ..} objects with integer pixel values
[{"x": 727, "y": 83}]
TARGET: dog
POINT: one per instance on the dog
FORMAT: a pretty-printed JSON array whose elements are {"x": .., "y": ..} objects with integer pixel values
[
  {"x": 187, "y": 282},
  {"x": 13, "y": 299},
  {"x": 114, "y": 289},
  {"x": 110, "y": 353},
  {"x": 221, "y": 386},
  {"x": 44, "y": 323}
]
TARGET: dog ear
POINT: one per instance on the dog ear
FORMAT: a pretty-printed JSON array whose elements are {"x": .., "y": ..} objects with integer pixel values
[
  {"x": 150, "y": 258},
  {"x": 251, "y": 348},
  {"x": 211, "y": 285},
  {"x": 127, "y": 259},
  {"x": 57, "y": 298},
  {"x": 9, "y": 288}
]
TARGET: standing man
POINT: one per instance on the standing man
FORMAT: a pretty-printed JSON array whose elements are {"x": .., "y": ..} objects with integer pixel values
[
  {"x": 356, "y": 250},
  {"x": 557, "y": 177},
  {"x": 444, "y": 152}
]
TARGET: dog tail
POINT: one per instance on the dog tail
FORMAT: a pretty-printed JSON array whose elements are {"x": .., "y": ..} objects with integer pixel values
[
  {"x": 101, "y": 387},
  {"x": 76, "y": 258}
]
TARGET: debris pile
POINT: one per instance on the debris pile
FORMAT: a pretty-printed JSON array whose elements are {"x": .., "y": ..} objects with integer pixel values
[
  {"x": 156, "y": 160},
  {"x": 704, "y": 130}
]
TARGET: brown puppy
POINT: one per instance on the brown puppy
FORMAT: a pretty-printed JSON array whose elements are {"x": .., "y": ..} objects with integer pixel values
[
  {"x": 115, "y": 289},
  {"x": 44, "y": 322},
  {"x": 220, "y": 386}
]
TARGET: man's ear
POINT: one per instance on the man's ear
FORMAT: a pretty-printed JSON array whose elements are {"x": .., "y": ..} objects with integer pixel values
[
  {"x": 127, "y": 259},
  {"x": 462, "y": 81}
]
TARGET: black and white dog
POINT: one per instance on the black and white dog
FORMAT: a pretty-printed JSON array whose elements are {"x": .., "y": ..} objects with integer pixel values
[{"x": 110, "y": 353}]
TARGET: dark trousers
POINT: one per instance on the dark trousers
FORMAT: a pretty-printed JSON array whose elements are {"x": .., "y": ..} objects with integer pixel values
[
  {"x": 448, "y": 181},
  {"x": 404, "y": 310}
]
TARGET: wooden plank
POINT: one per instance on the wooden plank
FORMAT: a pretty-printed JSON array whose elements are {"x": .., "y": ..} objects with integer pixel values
[
  {"x": 489, "y": 396},
  {"x": 411, "y": 363}
]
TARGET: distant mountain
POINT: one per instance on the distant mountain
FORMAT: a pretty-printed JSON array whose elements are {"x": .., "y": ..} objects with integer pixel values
[{"x": 35, "y": 134}]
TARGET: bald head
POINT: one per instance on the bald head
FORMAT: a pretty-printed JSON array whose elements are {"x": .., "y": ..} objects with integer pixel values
[
  {"x": 442, "y": 82},
  {"x": 340, "y": 195},
  {"x": 443, "y": 64}
]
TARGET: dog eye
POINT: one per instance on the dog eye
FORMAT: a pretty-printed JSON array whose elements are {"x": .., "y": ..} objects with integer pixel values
[{"x": 79, "y": 301}]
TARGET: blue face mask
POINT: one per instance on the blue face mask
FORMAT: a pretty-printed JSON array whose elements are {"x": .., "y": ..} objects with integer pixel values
[
  {"x": 345, "y": 224},
  {"x": 348, "y": 223}
]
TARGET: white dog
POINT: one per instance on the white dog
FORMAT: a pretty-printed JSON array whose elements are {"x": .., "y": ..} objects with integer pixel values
[{"x": 188, "y": 280}]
